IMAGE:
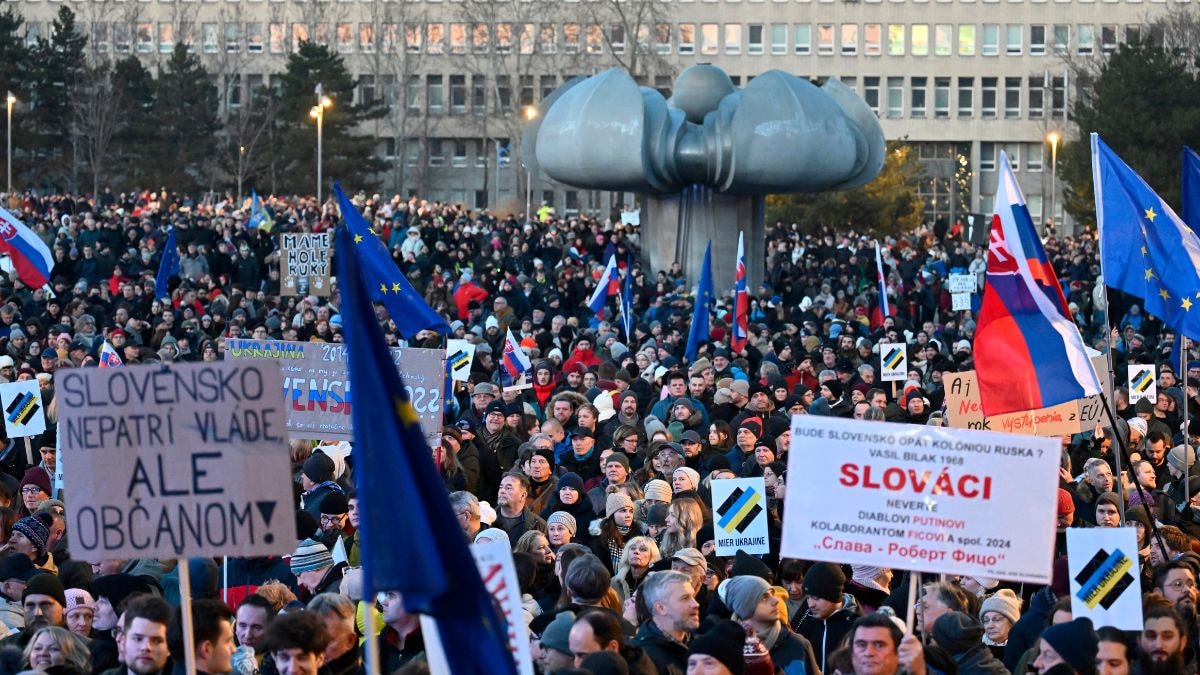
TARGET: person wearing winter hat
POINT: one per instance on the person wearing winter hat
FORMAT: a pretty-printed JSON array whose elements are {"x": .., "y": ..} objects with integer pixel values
[
  {"x": 657, "y": 491},
  {"x": 1072, "y": 644},
  {"x": 719, "y": 651},
  {"x": 615, "y": 529},
  {"x": 685, "y": 478},
  {"x": 961, "y": 635},
  {"x": 316, "y": 477},
  {"x": 80, "y": 611},
  {"x": 979, "y": 585},
  {"x": 492, "y": 534},
  {"x": 560, "y": 529},
  {"x": 1108, "y": 510},
  {"x": 747, "y": 435},
  {"x": 870, "y": 586},
  {"x": 1065, "y": 510},
  {"x": 831, "y": 613},
  {"x": 998, "y": 614},
  {"x": 30, "y": 535},
  {"x": 315, "y": 571},
  {"x": 44, "y": 601},
  {"x": 35, "y": 489},
  {"x": 555, "y": 653},
  {"x": 616, "y": 472}
]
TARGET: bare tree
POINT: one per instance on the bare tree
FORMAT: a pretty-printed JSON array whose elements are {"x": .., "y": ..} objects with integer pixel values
[{"x": 98, "y": 113}]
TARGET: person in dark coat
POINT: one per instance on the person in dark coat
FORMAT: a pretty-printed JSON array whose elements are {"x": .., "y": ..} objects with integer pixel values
[
  {"x": 317, "y": 480},
  {"x": 674, "y": 616},
  {"x": 831, "y": 612},
  {"x": 961, "y": 635},
  {"x": 750, "y": 599}
]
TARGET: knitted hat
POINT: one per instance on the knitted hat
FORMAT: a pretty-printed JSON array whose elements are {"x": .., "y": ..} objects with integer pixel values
[
  {"x": 565, "y": 519},
  {"x": 864, "y": 573},
  {"x": 1076, "y": 642},
  {"x": 615, "y": 502},
  {"x": 657, "y": 515},
  {"x": 658, "y": 490},
  {"x": 692, "y": 475},
  {"x": 825, "y": 581},
  {"x": 1004, "y": 602},
  {"x": 36, "y": 475},
  {"x": 754, "y": 424},
  {"x": 555, "y": 635},
  {"x": 335, "y": 504},
  {"x": 723, "y": 642},
  {"x": 45, "y": 584},
  {"x": 744, "y": 563},
  {"x": 957, "y": 632},
  {"x": 1110, "y": 498},
  {"x": 1065, "y": 503},
  {"x": 619, "y": 458},
  {"x": 571, "y": 480},
  {"x": 35, "y": 530},
  {"x": 18, "y": 567},
  {"x": 309, "y": 556},
  {"x": 1139, "y": 425},
  {"x": 834, "y": 386},
  {"x": 77, "y": 598},
  {"x": 743, "y": 593},
  {"x": 1175, "y": 457},
  {"x": 604, "y": 662},
  {"x": 319, "y": 467},
  {"x": 493, "y": 534}
]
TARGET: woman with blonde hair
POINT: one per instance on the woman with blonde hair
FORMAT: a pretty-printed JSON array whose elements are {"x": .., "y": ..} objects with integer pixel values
[
  {"x": 57, "y": 648},
  {"x": 684, "y": 520},
  {"x": 639, "y": 555}
]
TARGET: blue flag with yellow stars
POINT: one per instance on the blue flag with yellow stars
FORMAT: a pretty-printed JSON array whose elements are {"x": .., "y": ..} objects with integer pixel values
[
  {"x": 704, "y": 296},
  {"x": 1191, "y": 187},
  {"x": 168, "y": 267},
  {"x": 1145, "y": 248},
  {"x": 383, "y": 279}
]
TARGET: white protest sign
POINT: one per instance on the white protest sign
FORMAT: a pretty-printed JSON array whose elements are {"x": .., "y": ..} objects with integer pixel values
[
  {"x": 1143, "y": 383},
  {"x": 912, "y": 497},
  {"x": 1103, "y": 566},
  {"x": 459, "y": 356},
  {"x": 495, "y": 562},
  {"x": 24, "y": 414},
  {"x": 960, "y": 302},
  {"x": 179, "y": 462},
  {"x": 893, "y": 356},
  {"x": 962, "y": 283},
  {"x": 740, "y": 515}
]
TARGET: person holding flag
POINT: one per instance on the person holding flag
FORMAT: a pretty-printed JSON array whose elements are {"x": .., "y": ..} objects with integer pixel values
[
  {"x": 167, "y": 267},
  {"x": 259, "y": 217},
  {"x": 109, "y": 357},
  {"x": 704, "y": 294},
  {"x": 515, "y": 363},
  {"x": 608, "y": 285},
  {"x": 883, "y": 308},
  {"x": 741, "y": 302},
  {"x": 29, "y": 254}
]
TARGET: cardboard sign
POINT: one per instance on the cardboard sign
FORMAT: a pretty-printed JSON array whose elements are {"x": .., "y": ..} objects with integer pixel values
[
  {"x": 24, "y": 413},
  {"x": 922, "y": 498},
  {"x": 963, "y": 283},
  {"x": 179, "y": 462},
  {"x": 964, "y": 411},
  {"x": 893, "y": 356},
  {"x": 495, "y": 562},
  {"x": 740, "y": 515},
  {"x": 316, "y": 385},
  {"x": 459, "y": 356},
  {"x": 305, "y": 263},
  {"x": 1143, "y": 383},
  {"x": 960, "y": 302},
  {"x": 1104, "y": 570}
]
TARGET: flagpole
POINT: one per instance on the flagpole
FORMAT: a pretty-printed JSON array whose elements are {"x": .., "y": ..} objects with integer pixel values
[
  {"x": 1187, "y": 439},
  {"x": 1137, "y": 483},
  {"x": 372, "y": 639},
  {"x": 185, "y": 610}
]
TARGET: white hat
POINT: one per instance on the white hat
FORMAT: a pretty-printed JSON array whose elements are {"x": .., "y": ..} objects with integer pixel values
[{"x": 604, "y": 404}]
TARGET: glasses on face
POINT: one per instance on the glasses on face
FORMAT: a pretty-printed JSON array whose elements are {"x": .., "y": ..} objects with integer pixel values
[
  {"x": 1180, "y": 584},
  {"x": 30, "y": 490},
  {"x": 330, "y": 520}
]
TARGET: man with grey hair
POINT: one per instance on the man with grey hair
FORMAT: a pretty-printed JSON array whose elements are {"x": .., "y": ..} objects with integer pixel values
[
  {"x": 466, "y": 512},
  {"x": 1097, "y": 479},
  {"x": 342, "y": 654},
  {"x": 674, "y": 616}
]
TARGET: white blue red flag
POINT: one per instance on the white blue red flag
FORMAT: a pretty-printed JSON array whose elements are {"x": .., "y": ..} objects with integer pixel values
[
  {"x": 882, "y": 307},
  {"x": 30, "y": 256},
  {"x": 1028, "y": 352},
  {"x": 607, "y": 286},
  {"x": 109, "y": 357},
  {"x": 516, "y": 361},
  {"x": 741, "y": 301}
]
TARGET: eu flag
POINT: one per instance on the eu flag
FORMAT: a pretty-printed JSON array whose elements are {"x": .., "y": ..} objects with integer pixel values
[
  {"x": 704, "y": 292},
  {"x": 422, "y": 554},
  {"x": 1145, "y": 248},
  {"x": 1191, "y": 187},
  {"x": 382, "y": 278},
  {"x": 167, "y": 268}
]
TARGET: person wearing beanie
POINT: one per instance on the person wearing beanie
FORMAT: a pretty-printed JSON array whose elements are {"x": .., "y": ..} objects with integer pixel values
[
  {"x": 570, "y": 497},
  {"x": 752, "y": 603},
  {"x": 560, "y": 529},
  {"x": 555, "y": 653},
  {"x": 746, "y": 437},
  {"x": 543, "y": 484},
  {"x": 719, "y": 651},
  {"x": 317, "y": 479},
  {"x": 1108, "y": 510},
  {"x": 657, "y": 491},
  {"x": 30, "y": 536},
  {"x": 614, "y": 530},
  {"x": 870, "y": 586},
  {"x": 1072, "y": 644},
  {"x": 831, "y": 612},
  {"x": 999, "y": 613},
  {"x": 616, "y": 472},
  {"x": 685, "y": 478},
  {"x": 44, "y": 601},
  {"x": 80, "y": 611},
  {"x": 961, "y": 635},
  {"x": 35, "y": 477},
  {"x": 315, "y": 571}
]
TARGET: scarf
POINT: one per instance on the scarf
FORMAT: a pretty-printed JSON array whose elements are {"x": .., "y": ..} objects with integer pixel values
[
  {"x": 769, "y": 636},
  {"x": 615, "y": 551},
  {"x": 317, "y": 488}
]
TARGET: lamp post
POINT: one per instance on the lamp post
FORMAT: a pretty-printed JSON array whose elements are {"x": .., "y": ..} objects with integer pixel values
[
  {"x": 531, "y": 113},
  {"x": 1053, "y": 137},
  {"x": 241, "y": 171},
  {"x": 318, "y": 113},
  {"x": 11, "y": 100}
]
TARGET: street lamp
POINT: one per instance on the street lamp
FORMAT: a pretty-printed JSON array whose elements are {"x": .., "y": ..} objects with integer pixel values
[
  {"x": 12, "y": 100},
  {"x": 1053, "y": 137},
  {"x": 530, "y": 113},
  {"x": 241, "y": 170},
  {"x": 318, "y": 113}
]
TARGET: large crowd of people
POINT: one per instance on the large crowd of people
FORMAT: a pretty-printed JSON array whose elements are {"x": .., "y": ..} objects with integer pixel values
[{"x": 599, "y": 474}]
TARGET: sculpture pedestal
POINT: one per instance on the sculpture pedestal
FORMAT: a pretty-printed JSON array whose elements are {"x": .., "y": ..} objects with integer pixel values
[{"x": 678, "y": 227}]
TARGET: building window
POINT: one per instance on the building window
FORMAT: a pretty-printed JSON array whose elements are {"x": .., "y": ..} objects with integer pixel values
[
  {"x": 412, "y": 94},
  {"x": 412, "y": 151},
  {"x": 595, "y": 39},
  {"x": 1058, "y": 97},
  {"x": 1034, "y": 156},
  {"x": 966, "y": 97},
  {"x": 434, "y": 94},
  {"x": 547, "y": 85},
  {"x": 849, "y": 39},
  {"x": 687, "y": 38},
  {"x": 1012, "y": 39},
  {"x": 571, "y": 38},
  {"x": 1062, "y": 38},
  {"x": 526, "y": 97},
  {"x": 941, "y": 97},
  {"x": 779, "y": 38},
  {"x": 966, "y": 39},
  {"x": 987, "y": 156},
  {"x": 895, "y": 97},
  {"x": 616, "y": 38},
  {"x": 1085, "y": 39},
  {"x": 662, "y": 38},
  {"x": 733, "y": 38},
  {"x": 871, "y": 93},
  {"x": 526, "y": 38},
  {"x": 389, "y": 148},
  {"x": 920, "y": 39},
  {"x": 345, "y": 38},
  {"x": 459, "y": 158},
  {"x": 437, "y": 156},
  {"x": 987, "y": 98},
  {"x": 1108, "y": 38},
  {"x": 504, "y": 38},
  {"x": 918, "y": 97},
  {"x": 1037, "y": 40},
  {"x": 166, "y": 36},
  {"x": 895, "y": 39},
  {"x": 278, "y": 37},
  {"x": 1013, "y": 150},
  {"x": 504, "y": 102},
  {"x": 435, "y": 38},
  {"x": 366, "y": 90},
  {"x": 709, "y": 40},
  {"x": 548, "y": 40},
  {"x": 873, "y": 39},
  {"x": 1037, "y": 93},
  {"x": 943, "y": 38},
  {"x": 458, "y": 94},
  {"x": 479, "y": 94},
  {"x": 1012, "y": 98},
  {"x": 458, "y": 38},
  {"x": 802, "y": 33},
  {"x": 824, "y": 39},
  {"x": 100, "y": 37},
  {"x": 754, "y": 39},
  {"x": 1133, "y": 32},
  {"x": 991, "y": 39},
  {"x": 210, "y": 42}
]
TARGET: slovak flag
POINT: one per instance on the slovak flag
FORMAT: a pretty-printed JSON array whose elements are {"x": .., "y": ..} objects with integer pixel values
[
  {"x": 30, "y": 256},
  {"x": 608, "y": 285},
  {"x": 882, "y": 308},
  {"x": 516, "y": 361},
  {"x": 741, "y": 301},
  {"x": 1028, "y": 352},
  {"x": 109, "y": 357}
]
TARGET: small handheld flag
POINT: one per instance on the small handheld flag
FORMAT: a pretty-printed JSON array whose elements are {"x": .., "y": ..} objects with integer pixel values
[
  {"x": 608, "y": 285},
  {"x": 29, "y": 254},
  {"x": 516, "y": 361},
  {"x": 168, "y": 267},
  {"x": 741, "y": 301},
  {"x": 109, "y": 357}
]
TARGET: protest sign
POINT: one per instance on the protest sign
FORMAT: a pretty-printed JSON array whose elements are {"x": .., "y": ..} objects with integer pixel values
[
  {"x": 740, "y": 515},
  {"x": 459, "y": 355},
  {"x": 963, "y": 283},
  {"x": 1143, "y": 383},
  {"x": 940, "y": 500},
  {"x": 893, "y": 356},
  {"x": 1103, "y": 566},
  {"x": 316, "y": 385},
  {"x": 24, "y": 414},
  {"x": 304, "y": 263},
  {"x": 495, "y": 562},
  {"x": 179, "y": 462},
  {"x": 964, "y": 411},
  {"x": 960, "y": 302}
]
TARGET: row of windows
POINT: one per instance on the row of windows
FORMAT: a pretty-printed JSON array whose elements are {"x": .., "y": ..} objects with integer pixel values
[
  {"x": 1035, "y": 97},
  {"x": 847, "y": 39}
]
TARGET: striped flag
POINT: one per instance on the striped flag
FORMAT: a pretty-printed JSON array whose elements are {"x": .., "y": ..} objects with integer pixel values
[
  {"x": 741, "y": 301},
  {"x": 109, "y": 357},
  {"x": 516, "y": 361},
  {"x": 608, "y": 286},
  {"x": 882, "y": 308}
]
